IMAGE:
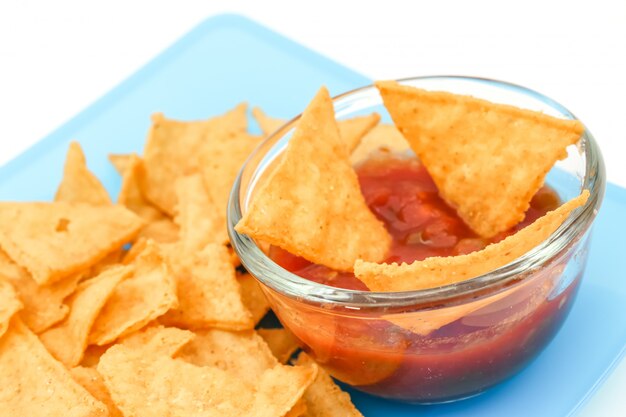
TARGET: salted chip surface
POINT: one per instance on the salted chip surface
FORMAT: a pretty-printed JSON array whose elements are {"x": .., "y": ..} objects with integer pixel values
[
  {"x": 197, "y": 216},
  {"x": 34, "y": 384},
  {"x": 67, "y": 340},
  {"x": 244, "y": 354},
  {"x": 384, "y": 139},
  {"x": 487, "y": 160},
  {"x": 174, "y": 387},
  {"x": 175, "y": 148},
  {"x": 324, "y": 398},
  {"x": 55, "y": 240},
  {"x": 312, "y": 197},
  {"x": 351, "y": 131},
  {"x": 437, "y": 271},
  {"x": 208, "y": 292},
  {"x": 92, "y": 381},
  {"x": 158, "y": 340},
  {"x": 253, "y": 297},
  {"x": 149, "y": 293},
  {"x": 281, "y": 342},
  {"x": 130, "y": 195},
  {"x": 79, "y": 185},
  {"x": 9, "y": 305}
]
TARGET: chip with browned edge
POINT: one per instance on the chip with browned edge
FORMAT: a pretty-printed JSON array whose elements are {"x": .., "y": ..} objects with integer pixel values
[
  {"x": 138, "y": 300},
  {"x": 487, "y": 160},
  {"x": 9, "y": 304},
  {"x": 34, "y": 384},
  {"x": 79, "y": 185},
  {"x": 281, "y": 342},
  {"x": 208, "y": 291},
  {"x": 67, "y": 340},
  {"x": 312, "y": 197},
  {"x": 55, "y": 240},
  {"x": 176, "y": 148},
  {"x": 177, "y": 388},
  {"x": 438, "y": 271}
]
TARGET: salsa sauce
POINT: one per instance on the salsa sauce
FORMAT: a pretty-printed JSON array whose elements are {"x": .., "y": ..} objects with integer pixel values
[
  {"x": 402, "y": 195},
  {"x": 459, "y": 359}
]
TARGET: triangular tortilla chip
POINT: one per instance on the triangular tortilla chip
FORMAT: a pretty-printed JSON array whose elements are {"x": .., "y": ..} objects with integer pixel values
[
  {"x": 9, "y": 305},
  {"x": 438, "y": 271},
  {"x": 138, "y": 300},
  {"x": 208, "y": 291},
  {"x": 121, "y": 161},
  {"x": 34, "y": 384},
  {"x": 281, "y": 342},
  {"x": 55, "y": 240},
  {"x": 487, "y": 160},
  {"x": 178, "y": 388},
  {"x": 93, "y": 382},
  {"x": 197, "y": 216},
  {"x": 131, "y": 196},
  {"x": 158, "y": 340},
  {"x": 382, "y": 140},
  {"x": 324, "y": 398},
  {"x": 351, "y": 130},
  {"x": 67, "y": 340},
  {"x": 79, "y": 185},
  {"x": 160, "y": 231},
  {"x": 175, "y": 148},
  {"x": 311, "y": 204},
  {"x": 253, "y": 297}
]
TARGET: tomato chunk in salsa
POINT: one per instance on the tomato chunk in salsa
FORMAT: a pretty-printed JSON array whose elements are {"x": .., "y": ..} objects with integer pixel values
[{"x": 401, "y": 193}]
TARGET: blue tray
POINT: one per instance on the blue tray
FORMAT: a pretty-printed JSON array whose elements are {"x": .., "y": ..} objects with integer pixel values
[{"x": 229, "y": 59}]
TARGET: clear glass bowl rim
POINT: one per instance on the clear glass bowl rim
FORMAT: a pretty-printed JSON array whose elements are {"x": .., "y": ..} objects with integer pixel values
[{"x": 291, "y": 285}]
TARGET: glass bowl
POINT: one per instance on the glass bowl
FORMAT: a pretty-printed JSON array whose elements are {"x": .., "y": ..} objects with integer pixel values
[{"x": 446, "y": 343}]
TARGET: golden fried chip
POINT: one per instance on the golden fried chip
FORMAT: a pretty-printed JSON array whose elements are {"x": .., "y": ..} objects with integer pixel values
[
  {"x": 472, "y": 149},
  {"x": 9, "y": 305},
  {"x": 176, "y": 148},
  {"x": 197, "y": 216},
  {"x": 93, "y": 382},
  {"x": 437, "y": 271},
  {"x": 383, "y": 139},
  {"x": 158, "y": 340},
  {"x": 55, "y": 240},
  {"x": 67, "y": 340},
  {"x": 208, "y": 291},
  {"x": 253, "y": 297},
  {"x": 131, "y": 196},
  {"x": 34, "y": 384},
  {"x": 312, "y": 197},
  {"x": 244, "y": 354},
  {"x": 177, "y": 388},
  {"x": 43, "y": 305},
  {"x": 121, "y": 161},
  {"x": 79, "y": 185},
  {"x": 160, "y": 231},
  {"x": 135, "y": 250},
  {"x": 298, "y": 410},
  {"x": 323, "y": 397},
  {"x": 92, "y": 355},
  {"x": 107, "y": 262},
  {"x": 138, "y": 300},
  {"x": 351, "y": 130},
  {"x": 281, "y": 342}
]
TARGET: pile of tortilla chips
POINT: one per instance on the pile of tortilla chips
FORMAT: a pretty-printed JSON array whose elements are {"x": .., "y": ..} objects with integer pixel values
[{"x": 137, "y": 308}]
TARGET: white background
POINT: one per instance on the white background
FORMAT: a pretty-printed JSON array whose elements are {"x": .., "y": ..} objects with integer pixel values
[{"x": 56, "y": 57}]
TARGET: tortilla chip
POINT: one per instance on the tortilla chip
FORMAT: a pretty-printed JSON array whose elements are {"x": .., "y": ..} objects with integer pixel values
[
  {"x": 158, "y": 340},
  {"x": 472, "y": 149},
  {"x": 197, "y": 215},
  {"x": 312, "y": 197},
  {"x": 109, "y": 261},
  {"x": 55, "y": 240},
  {"x": 281, "y": 342},
  {"x": 9, "y": 305},
  {"x": 79, "y": 185},
  {"x": 135, "y": 250},
  {"x": 244, "y": 354},
  {"x": 131, "y": 196},
  {"x": 382, "y": 140},
  {"x": 438, "y": 271},
  {"x": 324, "y": 398},
  {"x": 298, "y": 410},
  {"x": 43, "y": 306},
  {"x": 92, "y": 355},
  {"x": 138, "y": 300},
  {"x": 351, "y": 130},
  {"x": 177, "y": 388},
  {"x": 67, "y": 340},
  {"x": 208, "y": 291},
  {"x": 160, "y": 231},
  {"x": 92, "y": 381},
  {"x": 121, "y": 161},
  {"x": 176, "y": 148},
  {"x": 34, "y": 384},
  {"x": 253, "y": 297}
]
